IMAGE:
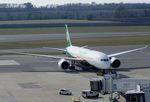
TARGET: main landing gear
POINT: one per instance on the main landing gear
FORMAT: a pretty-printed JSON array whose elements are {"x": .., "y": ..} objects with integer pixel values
[{"x": 72, "y": 66}]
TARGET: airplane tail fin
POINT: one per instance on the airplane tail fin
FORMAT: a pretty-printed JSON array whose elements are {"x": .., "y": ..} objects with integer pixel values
[{"x": 67, "y": 36}]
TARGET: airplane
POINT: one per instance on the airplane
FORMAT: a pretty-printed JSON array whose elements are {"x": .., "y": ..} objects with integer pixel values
[{"x": 85, "y": 56}]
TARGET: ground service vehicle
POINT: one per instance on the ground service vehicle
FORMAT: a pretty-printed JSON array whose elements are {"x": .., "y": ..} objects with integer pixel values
[
  {"x": 64, "y": 91},
  {"x": 90, "y": 94}
]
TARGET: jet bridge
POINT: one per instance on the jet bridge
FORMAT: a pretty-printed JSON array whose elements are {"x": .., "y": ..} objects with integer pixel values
[{"x": 133, "y": 90}]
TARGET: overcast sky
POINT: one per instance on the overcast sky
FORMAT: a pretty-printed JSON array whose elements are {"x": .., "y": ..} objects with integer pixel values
[{"x": 44, "y": 2}]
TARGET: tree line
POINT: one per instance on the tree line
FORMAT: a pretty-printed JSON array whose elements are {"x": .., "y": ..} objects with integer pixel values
[{"x": 92, "y": 11}]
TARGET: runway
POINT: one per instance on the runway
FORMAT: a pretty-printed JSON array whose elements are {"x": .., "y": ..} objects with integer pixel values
[
  {"x": 35, "y": 37},
  {"x": 139, "y": 59}
]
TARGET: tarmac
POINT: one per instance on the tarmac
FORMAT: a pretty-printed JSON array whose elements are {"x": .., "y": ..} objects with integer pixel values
[
  {"x": 44, "y": 87},
  {"x": 36, "y": 79}
]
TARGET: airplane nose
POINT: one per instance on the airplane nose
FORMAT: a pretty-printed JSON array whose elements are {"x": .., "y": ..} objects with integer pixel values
[
  {"x": 104, "y": 61},
  {"x": 105, "y": 64}
]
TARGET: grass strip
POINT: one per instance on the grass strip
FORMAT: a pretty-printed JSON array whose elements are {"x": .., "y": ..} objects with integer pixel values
[
  {"x": 91, "y": 29},
  {"x": 52, "y": 21}
]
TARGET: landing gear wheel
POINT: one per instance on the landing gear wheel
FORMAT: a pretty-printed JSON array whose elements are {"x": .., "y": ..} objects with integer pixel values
[{"x": 72, "y": 68}]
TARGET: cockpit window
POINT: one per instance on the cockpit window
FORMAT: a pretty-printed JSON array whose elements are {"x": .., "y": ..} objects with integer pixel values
[{"x": 105, "y": 60}]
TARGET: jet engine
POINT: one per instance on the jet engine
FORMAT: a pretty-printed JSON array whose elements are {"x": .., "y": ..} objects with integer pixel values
[
  {"x": 115, "y": 63},
  {"x": 64, "y": 64}
]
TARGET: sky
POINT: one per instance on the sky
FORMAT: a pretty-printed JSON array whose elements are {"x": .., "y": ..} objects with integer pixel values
[{"x": 45, "y": 2}]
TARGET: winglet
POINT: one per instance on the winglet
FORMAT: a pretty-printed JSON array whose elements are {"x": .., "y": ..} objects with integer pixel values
[{"x": 67, "y": 36}]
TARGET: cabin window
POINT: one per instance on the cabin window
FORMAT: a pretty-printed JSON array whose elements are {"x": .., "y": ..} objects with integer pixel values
[{"x": 105, "y": 60}]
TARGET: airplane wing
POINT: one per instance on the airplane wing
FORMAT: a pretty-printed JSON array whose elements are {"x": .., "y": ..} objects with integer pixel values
[
  {"x": 124, "y": 52},
  {"x": 50, "y": 56}
]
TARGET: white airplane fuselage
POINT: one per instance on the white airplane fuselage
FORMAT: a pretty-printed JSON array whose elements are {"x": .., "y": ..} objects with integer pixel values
[{"x": 97, "y": 59}]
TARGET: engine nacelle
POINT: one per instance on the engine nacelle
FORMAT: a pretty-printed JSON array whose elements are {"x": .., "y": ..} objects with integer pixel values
[
  {"x": 64, "y": 64},
  {"x": 115, "y": 63}
]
